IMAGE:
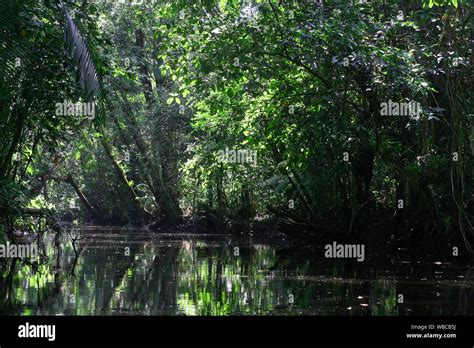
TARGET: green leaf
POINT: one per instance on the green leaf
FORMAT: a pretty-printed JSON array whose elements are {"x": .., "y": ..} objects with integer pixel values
[{"x": 30, "y": 170}]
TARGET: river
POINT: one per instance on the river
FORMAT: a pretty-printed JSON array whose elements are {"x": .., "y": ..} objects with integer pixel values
[{"x": 138, "y": 272}]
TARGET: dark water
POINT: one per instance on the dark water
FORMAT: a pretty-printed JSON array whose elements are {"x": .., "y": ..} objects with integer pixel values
[{"x": 183, "y": 274}]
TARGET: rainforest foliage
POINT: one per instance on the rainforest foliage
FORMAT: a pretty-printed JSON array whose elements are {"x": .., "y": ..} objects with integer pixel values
[{"x": 334, "y": 117}]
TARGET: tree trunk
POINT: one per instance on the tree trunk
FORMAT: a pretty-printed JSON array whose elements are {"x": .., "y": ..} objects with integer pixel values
[{"x": 123, "y": 178}]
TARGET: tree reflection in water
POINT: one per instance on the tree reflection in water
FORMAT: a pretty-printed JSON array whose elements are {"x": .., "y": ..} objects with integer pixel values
[{"x": 201, "y": 275}]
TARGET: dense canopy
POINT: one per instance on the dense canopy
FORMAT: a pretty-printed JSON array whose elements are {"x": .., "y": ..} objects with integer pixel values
[{"x": 328, "y": 118}]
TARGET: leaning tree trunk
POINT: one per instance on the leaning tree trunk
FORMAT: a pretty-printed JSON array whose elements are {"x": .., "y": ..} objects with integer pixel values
[
  {"x": 166, "y": 198},
  {"x": 123, "y": 178}
]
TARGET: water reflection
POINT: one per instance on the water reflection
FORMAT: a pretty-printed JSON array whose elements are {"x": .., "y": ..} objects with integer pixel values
[{"x": 127, "y": 273}]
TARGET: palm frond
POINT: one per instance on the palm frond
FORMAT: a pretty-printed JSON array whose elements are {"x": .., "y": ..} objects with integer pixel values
[
  {"x": 78, "y": 51},
  {"x": 11, "y": 47}
]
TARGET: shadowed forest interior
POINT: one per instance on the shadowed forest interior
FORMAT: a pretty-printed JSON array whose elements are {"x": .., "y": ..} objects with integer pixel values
[{"x": 201, "y": 157}]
